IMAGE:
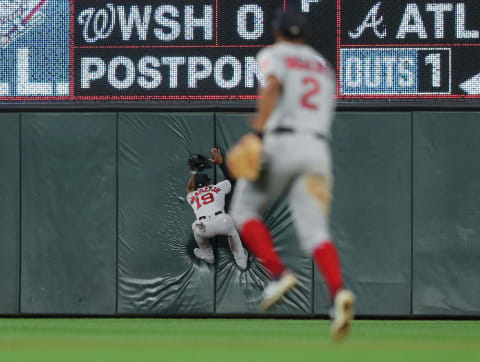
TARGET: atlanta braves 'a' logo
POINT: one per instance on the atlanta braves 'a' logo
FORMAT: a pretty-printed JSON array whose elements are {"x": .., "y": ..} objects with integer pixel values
[
  {"x": 372, "y": 20},
  {"x": 17, "y": 17}
]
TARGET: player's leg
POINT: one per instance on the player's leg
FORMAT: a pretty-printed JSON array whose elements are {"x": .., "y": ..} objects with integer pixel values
[
  {"x": 226, "y": 227},
  {"x": 248, "y": 202},
  {"x": 239, "y": 253},
  {"x": 204, "y": 250},
  {"x": 310, "y": 198}
]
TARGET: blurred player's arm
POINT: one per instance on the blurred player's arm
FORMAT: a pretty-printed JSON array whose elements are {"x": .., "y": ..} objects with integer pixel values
[
  {"x": 244, "y": 158},
  {"x": 270, "y": 94}
]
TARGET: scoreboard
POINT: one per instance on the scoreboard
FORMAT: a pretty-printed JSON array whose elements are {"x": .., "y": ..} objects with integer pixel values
[
  {"x": 203, "y": 51},
  {"x": 414, "y": 50}
]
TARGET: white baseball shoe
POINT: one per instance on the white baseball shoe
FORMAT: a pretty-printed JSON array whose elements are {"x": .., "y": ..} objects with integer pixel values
[
  {"x": 343, "y": 313},
  {"x": 276, "y": 289},
  {"x": 241, "y": 259},
  {"x": 207, "y": 256}
]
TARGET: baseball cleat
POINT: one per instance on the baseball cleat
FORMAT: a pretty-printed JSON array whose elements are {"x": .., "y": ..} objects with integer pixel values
[
  {"x": 276, "y": 289},
  {"x": 241, "y": 260},
  {"x": 343, "y": 314},
  {"x": 203, "y": 255}
]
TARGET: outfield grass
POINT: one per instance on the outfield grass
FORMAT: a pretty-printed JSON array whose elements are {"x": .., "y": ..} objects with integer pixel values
[{"x": 231, "y": 340}]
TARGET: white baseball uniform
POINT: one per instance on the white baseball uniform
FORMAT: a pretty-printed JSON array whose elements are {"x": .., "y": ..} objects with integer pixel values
[
  {"x": 296, "y": 153},
  {"x": 208, "y": 203}
]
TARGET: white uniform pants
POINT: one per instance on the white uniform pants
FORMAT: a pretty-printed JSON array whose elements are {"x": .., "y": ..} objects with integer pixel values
[
  {"x": 210, "y": 227},
  {"x": 299, "y": 167}
]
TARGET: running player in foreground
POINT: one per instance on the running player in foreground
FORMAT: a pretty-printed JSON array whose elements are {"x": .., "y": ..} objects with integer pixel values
[
  {"x": 208, "y": 203},
  {"x": 294, "y": 116}
]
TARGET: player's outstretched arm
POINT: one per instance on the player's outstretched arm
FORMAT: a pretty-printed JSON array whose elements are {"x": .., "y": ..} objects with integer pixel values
[
  {"x": 218, "y": 160},
  {"x": 191, "y": 184},
  {"x": 270, "y": 94}
]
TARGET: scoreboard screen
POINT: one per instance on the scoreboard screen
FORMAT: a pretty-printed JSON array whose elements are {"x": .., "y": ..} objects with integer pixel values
[
  {"x": 414, "y": 50},
  {"x": 203, "y": 51}
]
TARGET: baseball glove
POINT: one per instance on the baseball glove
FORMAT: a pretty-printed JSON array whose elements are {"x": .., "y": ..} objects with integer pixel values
[
  {"x": 243, "y": 160},
  {"x": 198, "y": 162}
]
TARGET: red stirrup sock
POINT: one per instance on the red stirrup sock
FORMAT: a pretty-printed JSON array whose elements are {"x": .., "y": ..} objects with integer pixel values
[
  {"x": 258, "y": 240},
  {"x": 326, "y": 257}
]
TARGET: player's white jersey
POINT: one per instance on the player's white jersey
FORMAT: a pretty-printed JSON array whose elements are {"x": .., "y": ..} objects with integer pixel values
[
  {"x": 208, "y": 200},
  {"x": 308, "y": 87}
]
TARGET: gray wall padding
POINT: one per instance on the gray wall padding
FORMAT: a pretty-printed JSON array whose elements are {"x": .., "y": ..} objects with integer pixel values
[
  {"x": 371, "y": 212},
  {"x": 405, "y": 199},
  {"x": 68, "y": 213},
  {"x": 446, "y": 215},
  {"x": 9, "y": 212},
  {"x": 158, "y": 273},
  {"x": 239, "y": 292}
]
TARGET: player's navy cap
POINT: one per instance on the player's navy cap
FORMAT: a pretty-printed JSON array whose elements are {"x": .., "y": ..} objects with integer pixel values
[
  {"x": 201, "y": 179},
  {"x": 290, "y": 23}
]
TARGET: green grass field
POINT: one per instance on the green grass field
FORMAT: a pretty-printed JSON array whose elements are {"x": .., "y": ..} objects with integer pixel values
[{"x": 226, "y": 340}]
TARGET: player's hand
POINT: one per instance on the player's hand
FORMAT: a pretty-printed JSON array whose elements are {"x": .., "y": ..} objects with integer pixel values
[{"x": 217, "y": 156}]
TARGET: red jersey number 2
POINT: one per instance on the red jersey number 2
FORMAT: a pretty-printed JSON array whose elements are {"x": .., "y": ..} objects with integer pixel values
[
  {"x": 206, "y": 199},
  {"x": 312, "y": 87}
]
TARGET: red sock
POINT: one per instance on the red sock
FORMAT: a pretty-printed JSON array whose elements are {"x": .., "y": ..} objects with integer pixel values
[
  {"x": 258, "y": 240},
  {"x": 326, "y": 257}
]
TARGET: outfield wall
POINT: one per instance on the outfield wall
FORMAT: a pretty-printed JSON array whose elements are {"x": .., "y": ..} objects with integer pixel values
[{"x": 93, "y": 219}]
